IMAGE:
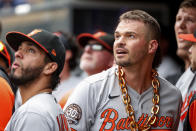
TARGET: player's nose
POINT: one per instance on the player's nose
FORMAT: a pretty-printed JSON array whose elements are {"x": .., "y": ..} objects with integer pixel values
[{"x": 18, "y": 54}]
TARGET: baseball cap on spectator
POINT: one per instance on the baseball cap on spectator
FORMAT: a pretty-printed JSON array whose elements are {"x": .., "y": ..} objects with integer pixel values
[
  {"x": 105, "y": 39},
  {"x": 7, "y": 53},
  {"x": 47, "y": 41},
  {"x": 63, "y": 39},
  {"x": 188, "y": 37}
]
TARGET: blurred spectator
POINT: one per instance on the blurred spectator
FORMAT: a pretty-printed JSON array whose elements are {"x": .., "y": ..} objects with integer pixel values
[
  {"x": 169, "y": 68},
  {"x": 189, "y": 115},
  {"x": 185, "y": 24},
  {"x": 69, "y": 75},
  {"x": 97, "y": 55},
  {"x": 98, "y": 52}
]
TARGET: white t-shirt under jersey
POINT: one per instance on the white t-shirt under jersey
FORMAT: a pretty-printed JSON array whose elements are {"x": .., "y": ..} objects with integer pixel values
[{"x": 40, "y": 113}]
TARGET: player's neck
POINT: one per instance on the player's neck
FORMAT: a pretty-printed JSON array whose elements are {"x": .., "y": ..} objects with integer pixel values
[
  {"x": 31, "y": 89},
  {"x": 138, "y": 79},
  {"x": 187, "y": 64}
]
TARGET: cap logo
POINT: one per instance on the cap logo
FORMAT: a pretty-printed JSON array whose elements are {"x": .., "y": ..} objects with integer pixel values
[
  {"x": 1, "y": 46},
  {"x": 34, "y": 32},
  {"x": 53, "y": 52},
  {"x": 99, "y": 34}
]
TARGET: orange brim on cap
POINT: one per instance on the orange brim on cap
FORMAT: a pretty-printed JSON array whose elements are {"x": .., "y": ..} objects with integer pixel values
[
  {"x": 4, "y": 52},
  {"x": 84, "y": 37},
  {"x": 14, "y": 39},
  {"x": 188, "y": 37}
]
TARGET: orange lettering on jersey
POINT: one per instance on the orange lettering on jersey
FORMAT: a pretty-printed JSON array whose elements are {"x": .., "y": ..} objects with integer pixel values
[
  {"x": 124, "y": 123},
  {"x": 156, "y": 122},
  {"x": 161, "y": 121},
  {"x": 169, "y": 122},
  {"x": 127, "y": 123},
  {"x": 62, "y": 123},
  {"x": 144, "y": 120},
  {"x": 106, "y": 114},
  {"x": 141, "y": 118},
  {"x": 185, "y": 105},
  {"x": 121, "y": 124}
]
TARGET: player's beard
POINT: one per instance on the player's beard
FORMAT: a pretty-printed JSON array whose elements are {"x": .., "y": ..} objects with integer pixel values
[
  {"x": 28, "y": 75},
  {"x": 123, "y": 63}
]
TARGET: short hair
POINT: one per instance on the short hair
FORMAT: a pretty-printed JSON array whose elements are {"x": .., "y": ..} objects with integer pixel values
[
  {"x": 153, "y": 26},
  {"x": 188, "y": 4}
]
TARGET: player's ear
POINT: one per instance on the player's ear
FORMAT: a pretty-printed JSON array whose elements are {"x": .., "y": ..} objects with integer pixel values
[
  {"x": 50, "y": 68},
  {"x": 68, "y": 55},
  {"x": 153, "y": 45}
]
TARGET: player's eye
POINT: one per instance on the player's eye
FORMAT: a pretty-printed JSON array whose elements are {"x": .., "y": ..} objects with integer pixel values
[
  {"x": 130, "y": 36},
  {"x": 30, "y": 50},
  {"x": 178, "y": 18},
  {"x": 116, "y": 36}
]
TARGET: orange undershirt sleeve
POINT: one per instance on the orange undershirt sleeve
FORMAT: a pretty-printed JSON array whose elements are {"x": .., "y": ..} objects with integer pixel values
[{"x": 6, "y": 103}]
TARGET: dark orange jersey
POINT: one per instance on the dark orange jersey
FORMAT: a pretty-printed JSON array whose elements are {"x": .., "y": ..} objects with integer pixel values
[{"x": 6, "y": 103}]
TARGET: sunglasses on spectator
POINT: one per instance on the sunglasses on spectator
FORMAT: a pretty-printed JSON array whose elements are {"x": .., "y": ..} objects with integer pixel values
[
  {"x": 95, "y": 47},
  {"x": 4, "y": 52}
]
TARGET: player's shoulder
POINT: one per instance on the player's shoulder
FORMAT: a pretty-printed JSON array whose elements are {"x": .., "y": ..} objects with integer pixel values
[
  {"x": 40, "y": 103},
  {"x": 106, "y": 74},
  {"x": 166, "y": 86},
  {"x": 95, "y": 85},
  {"x": 185, "y": 76}
]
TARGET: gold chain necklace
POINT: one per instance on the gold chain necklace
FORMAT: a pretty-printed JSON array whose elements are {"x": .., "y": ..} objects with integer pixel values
[{"x": 127, "y": 101}]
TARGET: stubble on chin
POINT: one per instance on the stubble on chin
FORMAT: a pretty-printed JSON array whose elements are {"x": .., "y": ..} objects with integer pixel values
[
  {"x": 27, "y": 75},
  {"x": 122, "y": 63}
]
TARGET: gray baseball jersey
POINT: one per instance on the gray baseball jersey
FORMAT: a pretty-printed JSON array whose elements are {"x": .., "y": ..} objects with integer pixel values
[
  {"x": 39, "y": 113},
  {"x": 187, "y": 86},
  {"x": 96, "y": 105}
]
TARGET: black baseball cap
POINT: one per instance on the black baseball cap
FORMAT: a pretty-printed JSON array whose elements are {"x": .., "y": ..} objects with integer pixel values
[
  {"x": 105, "y": 39},
  {"x": 64, "y": 39},
  {"x": 7, "y": 52},
  {"x": 47, "y": 41}
]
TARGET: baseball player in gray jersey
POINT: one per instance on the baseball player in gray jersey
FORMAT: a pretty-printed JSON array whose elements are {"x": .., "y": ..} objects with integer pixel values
[
  {"x": 39, "y": 59},
  {"x": 185, "y": 24},
  {"x": 187, "y": 82},
  {"x": 130, "y": 95}
]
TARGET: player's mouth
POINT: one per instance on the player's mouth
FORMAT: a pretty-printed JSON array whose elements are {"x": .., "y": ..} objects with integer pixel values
[
  {"x": 121, "y": 52},
  {"x": 15, "y": 65}
]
